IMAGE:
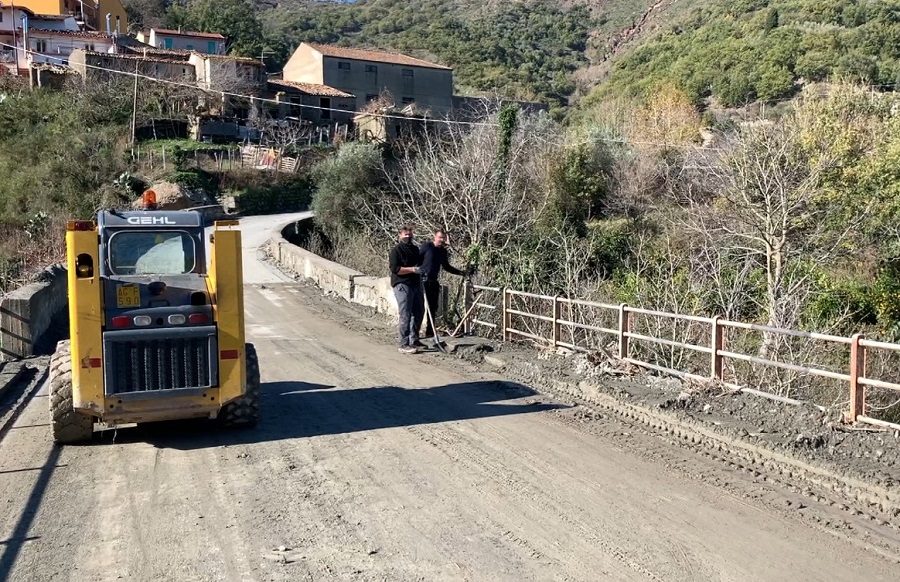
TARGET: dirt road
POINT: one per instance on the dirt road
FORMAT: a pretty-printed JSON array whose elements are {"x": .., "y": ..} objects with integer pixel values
[{"x": 372, "y": 465}]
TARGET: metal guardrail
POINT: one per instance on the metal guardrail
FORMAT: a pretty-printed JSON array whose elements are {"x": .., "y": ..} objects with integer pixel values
[{"x": 549, "y": 310}]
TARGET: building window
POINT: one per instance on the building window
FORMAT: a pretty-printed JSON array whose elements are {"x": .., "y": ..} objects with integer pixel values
[
  {"x": 40, "y": 46},
  {"x": 89, "y": 47},
  {"x": 343, "y": 65},
  {"x": 167, "y": 43},
  {"x": 371, "y": 69},
  {"x": 407, "y": 73},
  {"x": 211, "y": 47},
  {"x": 325, "y": 104}
]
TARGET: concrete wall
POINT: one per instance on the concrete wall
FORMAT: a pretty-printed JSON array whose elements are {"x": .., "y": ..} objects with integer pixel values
[
  {"x": 28, "y": 314},
  {"x": 84, "y": 62},
  {"x": 331, "y": 277},
  {"x": 58, "y": 47},
  {"x": 305, "y": 66},
  {"x": 186, "y": 42}
]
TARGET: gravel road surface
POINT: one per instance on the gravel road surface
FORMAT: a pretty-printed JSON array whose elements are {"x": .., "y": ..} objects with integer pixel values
[{"x": 374, "y": 465}]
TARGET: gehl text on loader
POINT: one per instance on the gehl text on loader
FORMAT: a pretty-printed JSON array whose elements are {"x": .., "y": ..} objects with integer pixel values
[{"x": 157, "y": 330}]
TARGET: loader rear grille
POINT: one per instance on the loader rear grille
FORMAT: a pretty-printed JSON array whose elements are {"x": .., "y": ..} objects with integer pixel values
[{"x": 160, "y": 364}]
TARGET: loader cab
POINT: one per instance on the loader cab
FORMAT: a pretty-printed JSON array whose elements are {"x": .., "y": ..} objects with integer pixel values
[{"x": 159, "y": 332}]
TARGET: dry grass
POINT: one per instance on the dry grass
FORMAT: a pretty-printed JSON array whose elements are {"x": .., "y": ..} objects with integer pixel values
[{"x": 24, "y": 254}]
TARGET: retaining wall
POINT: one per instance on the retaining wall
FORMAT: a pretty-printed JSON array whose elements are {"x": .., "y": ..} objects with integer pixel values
[
  {"x": 28, "y": 314},
  {"x": 331, "y": 277}
]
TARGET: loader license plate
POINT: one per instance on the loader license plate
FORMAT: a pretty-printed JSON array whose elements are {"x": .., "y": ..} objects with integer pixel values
[{"x": 128, "y": 296}]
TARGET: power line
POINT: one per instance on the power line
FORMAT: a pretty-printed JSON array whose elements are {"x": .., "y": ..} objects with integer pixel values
[
  {"x": 252, "y": 98},
  {"x": 260, "y": 99},
  {"x": 137, "y": 75}
]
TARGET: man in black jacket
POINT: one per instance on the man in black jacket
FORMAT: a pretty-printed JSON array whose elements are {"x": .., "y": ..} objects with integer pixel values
[
  {"x": 404, "y": 265},
  {"x": 434, "y": 258}
]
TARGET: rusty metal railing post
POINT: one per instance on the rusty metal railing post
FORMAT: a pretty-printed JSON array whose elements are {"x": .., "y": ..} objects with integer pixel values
[
  {"x": 624, "y": 328},
  {"x": 468, "y": 301},
  {"x": 555, "y": 332},
  {"x": 857, "y": 371},
  {"x": 504, "y": 315},
  {"x": 717, "y": 344}
]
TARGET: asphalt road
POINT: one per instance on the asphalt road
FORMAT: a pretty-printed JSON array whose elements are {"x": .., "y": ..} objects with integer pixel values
[{"x": 374, "y": 465}]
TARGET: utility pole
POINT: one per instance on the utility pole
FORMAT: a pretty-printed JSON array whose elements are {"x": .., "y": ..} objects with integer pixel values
[
  {"x": 134, "y": 109},
  {"x": 15, "y": 41}
]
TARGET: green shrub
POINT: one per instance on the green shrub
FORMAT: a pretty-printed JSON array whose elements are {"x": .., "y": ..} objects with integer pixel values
[
  {"x": 343, "y": 181},
  {"x": 284, "y": 194}
]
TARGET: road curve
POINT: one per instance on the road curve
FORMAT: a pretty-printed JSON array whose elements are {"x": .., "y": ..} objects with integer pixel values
[{"x": 373, "y": 465}]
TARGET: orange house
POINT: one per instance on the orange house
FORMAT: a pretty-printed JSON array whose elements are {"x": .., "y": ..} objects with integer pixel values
[{"x": 92, "y": 13}]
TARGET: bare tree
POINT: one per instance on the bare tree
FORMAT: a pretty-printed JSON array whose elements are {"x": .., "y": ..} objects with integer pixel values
[
  {"x": 771, "y": 209},
  {"x": 450, "y": 177},
  {"x": 282, "y": 134}
]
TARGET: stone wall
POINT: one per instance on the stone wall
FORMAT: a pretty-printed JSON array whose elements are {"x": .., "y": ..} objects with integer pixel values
[
  {"x": 331, "y": 277},
  {"x": 30, "y": 314}
]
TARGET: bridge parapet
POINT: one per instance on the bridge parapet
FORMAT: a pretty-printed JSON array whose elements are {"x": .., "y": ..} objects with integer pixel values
[{"x": 332, "y": 277}]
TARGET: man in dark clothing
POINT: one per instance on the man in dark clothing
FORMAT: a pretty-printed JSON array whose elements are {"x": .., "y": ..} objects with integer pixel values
[
  {"x": 407, "y": 283},
  {"x": 434, "y": 258}
]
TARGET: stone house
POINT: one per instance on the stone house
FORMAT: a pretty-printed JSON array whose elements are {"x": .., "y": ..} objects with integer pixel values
[
  {"x": 317, "y": 104},
  {"x": 90, "y": 65},
  {"x": 369, "y": 74}
]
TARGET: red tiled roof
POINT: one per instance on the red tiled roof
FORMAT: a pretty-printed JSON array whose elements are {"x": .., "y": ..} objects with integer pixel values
[
  {"x": 72, "y": 33},
  {"x": 374, "y": 56},
  {"x": 167, "y": 32},
  {"x": 310, "y": 88},
  {"x": 157, "y": 52},
  {"x": 115, "y": 56},
  {"x": 247, "y": 60}
]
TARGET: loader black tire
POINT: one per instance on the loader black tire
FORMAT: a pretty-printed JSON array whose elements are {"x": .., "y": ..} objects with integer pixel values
[
  {"x": 244, "y": 411},
  {"x": 67, "y": 424}
]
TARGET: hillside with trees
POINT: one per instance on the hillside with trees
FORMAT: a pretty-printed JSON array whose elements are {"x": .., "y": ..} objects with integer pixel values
[
  {"x": 742, "y": 51},
  {"x": 790, "y": 224},
  {"x": 525, "y": 50},
  {"x": 736, "y": 52}
]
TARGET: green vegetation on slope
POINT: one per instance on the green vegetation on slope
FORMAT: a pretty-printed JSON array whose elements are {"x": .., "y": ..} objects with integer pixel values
[
  {"x": 518, "y": 49},
  {"x": 524, "y": 50},
  {"x": 744, "y": 50}
]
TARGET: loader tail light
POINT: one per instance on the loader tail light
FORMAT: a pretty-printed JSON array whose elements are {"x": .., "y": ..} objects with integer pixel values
[
  {"x": 229, "y": 354},
  {"x": 80, "y": 225},
  {"x": 143, "y": 320},
  {"x": 120, "y": 321},
  {"x": 91, "y": 363},
  {"x": 177, "y": 319},
  {"x": 198, "y": 318}
]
